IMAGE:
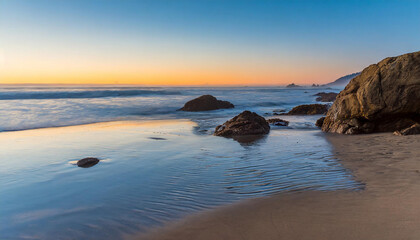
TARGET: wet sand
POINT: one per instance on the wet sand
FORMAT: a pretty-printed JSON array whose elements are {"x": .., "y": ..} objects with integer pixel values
[{"x": 388, "y": 207}]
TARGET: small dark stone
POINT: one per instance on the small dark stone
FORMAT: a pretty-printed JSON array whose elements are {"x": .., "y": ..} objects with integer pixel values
[
  {"x": 87, "y": 162},
  {"x": 157, "y": 138}
]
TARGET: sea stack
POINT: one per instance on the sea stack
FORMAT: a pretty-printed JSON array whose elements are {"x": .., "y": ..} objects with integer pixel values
[{"x": 385, "y": 97}]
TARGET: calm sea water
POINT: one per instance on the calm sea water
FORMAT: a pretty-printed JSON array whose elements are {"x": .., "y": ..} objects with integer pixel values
[{"x": 151, "y": 172}]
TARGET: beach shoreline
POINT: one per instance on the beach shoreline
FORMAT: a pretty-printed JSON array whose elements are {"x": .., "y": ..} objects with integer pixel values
[{"x": 387, "y": 208}]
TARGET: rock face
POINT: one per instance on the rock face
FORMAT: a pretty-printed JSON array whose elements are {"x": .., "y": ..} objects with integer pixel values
[
  {"x": 415, "y": 129},
  {"x": 385, "y": 97},
  {"x": 278, "y": 122},
  {"x": 246, "y": 123},
  {"x": 326, "y": 97},
  {"x": 309, "y": 109},
  {"x": 319, "y": 122},
  {"x": 87, "y": 162},
  {"x": 205, "y": 103}
]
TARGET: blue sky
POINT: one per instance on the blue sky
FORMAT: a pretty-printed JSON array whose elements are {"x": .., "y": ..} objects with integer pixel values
[{"x": 146, "y": 42}]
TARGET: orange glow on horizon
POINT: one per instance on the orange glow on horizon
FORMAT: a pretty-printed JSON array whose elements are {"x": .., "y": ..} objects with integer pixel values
[{"x": 223, "y": 78}]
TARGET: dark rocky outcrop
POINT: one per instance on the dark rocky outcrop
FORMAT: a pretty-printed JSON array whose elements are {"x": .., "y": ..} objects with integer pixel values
[
  {"x": 205, "y": 103},
  {"x": 319, "y": 122},
  {"x": 87, "y": 162},
  {"x": 385, "y": 97},
  {"x": 415, "y": 129},
  {"x": 309, "y": 109},
  {"x": 246, "y": 123},
  {"x": 326, "y": 97},
  {"x": 278, "y": 122},
  {"x": 293, "y": 86}
]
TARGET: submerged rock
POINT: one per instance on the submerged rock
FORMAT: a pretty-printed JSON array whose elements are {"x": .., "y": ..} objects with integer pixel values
[
  {"x": 157, "y": 138},
  {"x": 278, "y": 122},
  {"x": 206, "y": 103},
  {"x": 246, "y": 123},
  {"x": 326, "y": 97},
  {"x": 279, "y": 110},
  {"x": 309, "y": 109},
  {"x": 319, "y": 122},
  {"x": 87, "y": 162},
  {"x": 415, "y": 129},
  {"x": 385, "y": 97}
]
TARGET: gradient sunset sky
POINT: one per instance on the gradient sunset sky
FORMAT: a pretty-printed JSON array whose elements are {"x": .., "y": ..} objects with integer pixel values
[{"x": 200, "y": 42}]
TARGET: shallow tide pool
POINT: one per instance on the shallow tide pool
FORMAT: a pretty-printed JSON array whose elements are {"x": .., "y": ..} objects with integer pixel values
[{"x": 150, "y": 173}]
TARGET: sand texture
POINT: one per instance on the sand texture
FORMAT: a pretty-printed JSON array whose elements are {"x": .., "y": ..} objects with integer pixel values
[{"x": 387, "y": 208}]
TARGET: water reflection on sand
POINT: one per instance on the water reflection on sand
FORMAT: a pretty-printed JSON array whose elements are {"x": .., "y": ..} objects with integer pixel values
[{"x": 149, "y": 173}]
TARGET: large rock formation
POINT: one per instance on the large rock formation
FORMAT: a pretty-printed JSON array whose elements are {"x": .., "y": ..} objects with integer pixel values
[
  {"x": 309, "y": 109},
  {"x": 205, "y": 103},
  {"x": 384, "y": 97},
  {"x": 326, "y": 96},
  {"x": 246, "y": 123}
]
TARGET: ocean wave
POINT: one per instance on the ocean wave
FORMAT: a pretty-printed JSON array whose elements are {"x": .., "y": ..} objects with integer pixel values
[{"x": 14, "y": 95}]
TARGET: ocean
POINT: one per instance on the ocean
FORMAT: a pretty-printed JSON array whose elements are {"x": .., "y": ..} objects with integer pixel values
[{"x": 157, "y": 164}]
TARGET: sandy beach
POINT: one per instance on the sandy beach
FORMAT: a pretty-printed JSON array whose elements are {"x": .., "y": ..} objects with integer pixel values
[{"x": 387, "y": 208}]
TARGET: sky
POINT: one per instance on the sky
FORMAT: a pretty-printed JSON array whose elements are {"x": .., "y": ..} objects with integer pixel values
[{"x": 209, "y": 42}]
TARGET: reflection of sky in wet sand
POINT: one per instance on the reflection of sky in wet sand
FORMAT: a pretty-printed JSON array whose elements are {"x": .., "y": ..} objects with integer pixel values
[{"x": 142, "y": 180}]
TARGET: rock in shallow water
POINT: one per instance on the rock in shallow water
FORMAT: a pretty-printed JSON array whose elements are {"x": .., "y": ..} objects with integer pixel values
[
  {"x": 326, "y": 97},
  {"x": 87, "y": 162},
  {"x": 278, "y": 122},
  {"x": 246, "y": 123},
  {"x": 309, "y": 109},
  {"x": 205, "y": 103},
  {"x": 385, "y": 97}
]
